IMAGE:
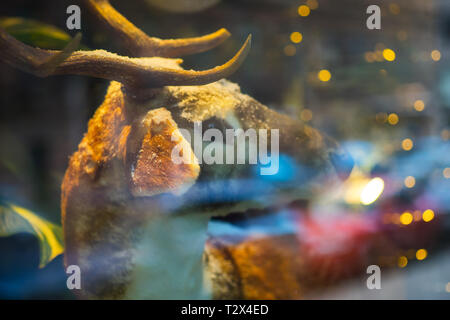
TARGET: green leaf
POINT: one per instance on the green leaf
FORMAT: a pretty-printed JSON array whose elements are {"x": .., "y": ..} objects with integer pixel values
[
  {"x": 15, "y": 219},
  {"x": 35, "y": 33}
]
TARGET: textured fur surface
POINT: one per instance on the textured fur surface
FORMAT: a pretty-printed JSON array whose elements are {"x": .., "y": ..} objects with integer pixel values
[{"x": 112, "y": 188}]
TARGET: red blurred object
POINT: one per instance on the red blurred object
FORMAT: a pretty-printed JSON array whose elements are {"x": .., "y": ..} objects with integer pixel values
[{"x": 335, "y": 248}]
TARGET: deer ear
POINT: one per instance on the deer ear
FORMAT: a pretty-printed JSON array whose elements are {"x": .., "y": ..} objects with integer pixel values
[{"x": 159, "y": 158}]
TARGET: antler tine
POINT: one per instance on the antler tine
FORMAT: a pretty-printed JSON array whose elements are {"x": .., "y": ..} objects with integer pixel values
[
  {"x": 191, "y": 77},
  {"x": 32, "y": 60},
  {"x": 141, "y": 45},
  {"x": 142, "y": 73},
  {"x": 132, "y": 72}
]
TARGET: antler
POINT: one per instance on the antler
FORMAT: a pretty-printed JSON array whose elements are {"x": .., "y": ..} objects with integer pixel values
[
  {"x": 131, "y": 72},
  {"x": 141, "y": 45},
  {"x": 39, "y": 62}
]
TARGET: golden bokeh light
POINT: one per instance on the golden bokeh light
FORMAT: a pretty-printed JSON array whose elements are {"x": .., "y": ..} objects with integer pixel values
[
  {"x": 447, "y": 287},
  {"x": 296, "y": 37},
  {"x": 410, "y": 182},
  {"x": 402, "y": 261},
  {"x": 435, "y": 55},
  {"x": 389, "y": 54},
  {"x": 428, "y": 215},
  {"x": 406, "y": 218},
  {"x": 393, "y": 119},
  {"x": 380, "y": 46},
  {"x": 289, "y": 50},
  {"x": 306, "y": 115},
  {"x": 407, "y": 144},
  {"x": 395, "y": 218},
  {"x": 369, "y": 56},
  {"x": 446, "y": 173},
  {"x": 445, "y": 134},
  {"x": 419, "y": 105},
  {"x": 372, "y": 191},
  {"x": 324, "y": 75},
  {"x": 378, "y": 54},
  {"x": 304, "y": 10},
  {"x": 394, "y": 8},
  {"x": 421, "y": 254},
  {"x": 354, "y": 186},
  {"x": 312, "y": 4}
]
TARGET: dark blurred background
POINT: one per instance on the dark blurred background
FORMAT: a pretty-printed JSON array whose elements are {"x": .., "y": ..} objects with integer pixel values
[{"x": 375, "y": 103}]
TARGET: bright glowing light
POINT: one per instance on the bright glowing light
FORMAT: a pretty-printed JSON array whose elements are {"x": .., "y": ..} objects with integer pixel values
[
  {"x": 402, "y": 261},
  {"x": 389, "y": 54},
  {"x": 446, "y": 173},
  {"x": 406, "y": 218},
  {"x": 354, "y": 186},
  {"x": 436, "y": 55},
  {"x": 447, "y": 287},
  {"x": 421, "y": 254},
  {"x": 428, "y": 215},
  {"x": 419, "y": 105},
  {"x": 296, "y": 37},
  {"x": 372, "y": 191},
  {"x": 407, "y": 144},
  {"x": 289, "y": 50},
  {"x": 410, "y": 182},
  {"x": 393, "y": 119},
  {"x": 304, "y": 11},
  {"x": 324, "y": 75}
]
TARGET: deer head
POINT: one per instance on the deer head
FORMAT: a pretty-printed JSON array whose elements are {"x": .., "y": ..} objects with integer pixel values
[{"x": 135, "y": 221}]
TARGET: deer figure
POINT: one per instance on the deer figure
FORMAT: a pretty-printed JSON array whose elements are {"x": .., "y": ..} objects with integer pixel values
[{"x": 135, "y": 222}]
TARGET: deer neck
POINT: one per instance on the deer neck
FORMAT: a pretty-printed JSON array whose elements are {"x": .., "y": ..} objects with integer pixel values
[{"x": 169, "y": 259}]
